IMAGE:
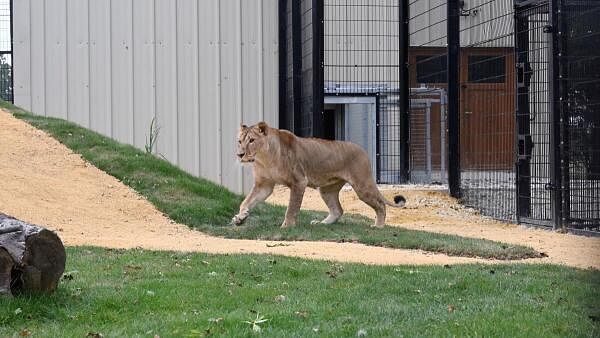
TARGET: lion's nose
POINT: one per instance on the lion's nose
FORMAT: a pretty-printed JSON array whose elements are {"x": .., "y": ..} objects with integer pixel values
[{"x": 241, "y": 155}]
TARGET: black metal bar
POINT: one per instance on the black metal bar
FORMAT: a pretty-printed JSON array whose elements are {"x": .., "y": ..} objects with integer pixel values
[
  {"x": 318, "y": 67},
  {"x": 377, "y": 144},
  {"x": 453, "y": 67},
  {"x": 283, "y": 113},
  {"x": 297, "y": 63},
  {"x": 12, "y": 59},
  {"x": 559, "y": 127},
  {"x": 522, "y": 116},
  {"x": 404, "y": 95}
]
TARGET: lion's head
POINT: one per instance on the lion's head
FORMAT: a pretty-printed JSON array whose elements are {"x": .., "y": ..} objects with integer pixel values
[{"x": 251, "y": 140}]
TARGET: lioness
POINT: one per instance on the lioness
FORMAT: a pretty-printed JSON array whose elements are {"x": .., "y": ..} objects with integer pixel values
[{"x": 280, "y": 157}]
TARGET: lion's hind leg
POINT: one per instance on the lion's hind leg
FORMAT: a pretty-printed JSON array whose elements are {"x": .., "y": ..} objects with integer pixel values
[
  {"x": 368, "y": 193},
  {"x": 331, "y": 196}
]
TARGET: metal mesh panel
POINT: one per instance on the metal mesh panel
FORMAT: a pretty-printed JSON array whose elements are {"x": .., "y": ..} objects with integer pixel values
[
  {"x": 487, "y": 124},
  {"x": 362, "y": 58},
  {"x": 305, "y": 127},
  {"x": 427, "y": 60},
  {"x": 580, "y": 91},
  {"x": 6, "y": 69},
  {"x": 288, "y": 122},
  {"x": 534, "y": 116}
]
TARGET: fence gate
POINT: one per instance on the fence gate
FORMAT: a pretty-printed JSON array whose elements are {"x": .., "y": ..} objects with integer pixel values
[
  {"x": 536, "y": 177},
  {"x": 576, "y": 65}
]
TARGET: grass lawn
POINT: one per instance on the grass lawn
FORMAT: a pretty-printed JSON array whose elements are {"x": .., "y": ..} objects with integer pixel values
[
  {"x": 209, "y": 207},
  {"x": 120, "y": 293}
]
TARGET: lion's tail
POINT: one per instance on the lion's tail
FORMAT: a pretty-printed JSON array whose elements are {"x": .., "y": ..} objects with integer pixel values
[{"x": 399, "y": 201}]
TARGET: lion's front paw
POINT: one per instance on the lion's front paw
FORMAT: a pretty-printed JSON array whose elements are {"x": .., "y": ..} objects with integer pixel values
[
  {"x": 237, "y": 220},
  {"x": 287, "y": 225}
]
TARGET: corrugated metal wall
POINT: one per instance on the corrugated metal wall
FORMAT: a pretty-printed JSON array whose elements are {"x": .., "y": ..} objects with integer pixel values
[
  {"x": 200, "y": 67},
  {"x": 428, "y": 23}
]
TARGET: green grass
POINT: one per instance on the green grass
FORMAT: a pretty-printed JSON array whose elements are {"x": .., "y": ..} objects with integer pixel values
[
  {"x": 130, "y": 293},
  {"x": 209, "y": 207}
]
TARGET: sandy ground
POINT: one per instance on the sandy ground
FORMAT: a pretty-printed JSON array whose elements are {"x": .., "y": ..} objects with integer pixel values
[{"x": 43, "y": 182}]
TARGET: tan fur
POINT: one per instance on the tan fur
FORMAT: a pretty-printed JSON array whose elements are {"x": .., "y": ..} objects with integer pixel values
[{"x": 280, "y": 157}]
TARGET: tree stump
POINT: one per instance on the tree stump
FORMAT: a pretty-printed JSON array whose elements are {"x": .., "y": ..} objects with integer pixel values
[{"x": 32, "y": 258}]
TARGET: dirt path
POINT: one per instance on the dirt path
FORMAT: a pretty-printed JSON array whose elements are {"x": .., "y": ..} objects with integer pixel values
[{"x": 43, "y": 182}]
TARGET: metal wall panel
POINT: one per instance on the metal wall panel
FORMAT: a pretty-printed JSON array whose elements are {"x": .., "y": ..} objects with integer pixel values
[
  {"x": 21, "y": 44},
  {"x": 55, "y": 65},
  {"x": 428, "y": 23},
  {"x": 166, "y": 78},
  {"x": 122, "y": 70},
  {"x": 200, "y": 67},
  {"x": 231, "y": 89},
  {"x": 143, "y": 71},
  {"x": 187, "y": 86},
  {"x": 37, "y": 56},
  {"x": 209, "y": 67},
  {"x": 78, "y": 74},
  {"x": 252, "y": 70},
  {"x": 100, "y": 66}
]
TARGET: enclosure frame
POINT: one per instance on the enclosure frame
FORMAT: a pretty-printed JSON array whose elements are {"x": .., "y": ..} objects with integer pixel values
[{"x": 556, "y": 161}]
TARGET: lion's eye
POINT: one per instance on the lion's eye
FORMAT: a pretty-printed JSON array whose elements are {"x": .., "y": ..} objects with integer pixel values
[
  {"x": 251, "y": 140},
  {"x": 240, "y": 142}
]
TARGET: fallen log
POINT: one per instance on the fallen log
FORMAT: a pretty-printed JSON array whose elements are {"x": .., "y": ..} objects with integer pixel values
[{"x": 32, "y": 258}]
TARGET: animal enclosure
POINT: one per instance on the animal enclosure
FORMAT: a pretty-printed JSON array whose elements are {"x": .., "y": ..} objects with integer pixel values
[{"x": 498, "y": 98}]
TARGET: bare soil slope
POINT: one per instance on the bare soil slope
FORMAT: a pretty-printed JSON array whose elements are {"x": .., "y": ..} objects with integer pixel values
[{"x": 43, "y": 182}]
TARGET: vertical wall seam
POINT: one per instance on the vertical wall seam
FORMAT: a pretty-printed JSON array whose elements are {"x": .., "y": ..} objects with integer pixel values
[
  {"x": 30, "y": 62},
  {"x": 89, "y": 78},
  {"x": 45, "y": 58},
  {"x": 154, "y": 64},
  {"x": 110, "y": 41},
  {"x": 132, "y": 58},
  {"x": 176, "y": 62},
  {"x": 198, "y": 91},
  {"x": 261, "y": 53},
  {"x": 67, "y": 56},
  {"x": 219, "y": 87},
  {"x": 240, "y": 99}
]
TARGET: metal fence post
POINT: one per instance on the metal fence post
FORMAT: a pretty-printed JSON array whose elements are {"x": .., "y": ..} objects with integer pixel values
[
  {"x": 453, "y": 36},
  {"x": 404, "y": 97},
  {"x": 283, "y": 49},
  {"x": 522, "y": 118},
  {"x": 297, "y": 64},
  {"x": 318, "y": 50},
  {"x": 559, "y": 129}
]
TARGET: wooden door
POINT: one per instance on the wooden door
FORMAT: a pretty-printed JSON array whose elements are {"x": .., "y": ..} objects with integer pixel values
[{"x": 487, "y": 118}]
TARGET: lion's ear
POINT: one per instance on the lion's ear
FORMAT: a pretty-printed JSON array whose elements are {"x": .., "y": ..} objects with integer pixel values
[
  {"x": 262, "y": 128},
  {"x": 243, "y": 126}
]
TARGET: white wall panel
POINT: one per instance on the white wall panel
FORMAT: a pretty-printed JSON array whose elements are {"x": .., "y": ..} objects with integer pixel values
[
  {"x": 187, "y": 86},
  {"x": 122, "y": 70},
  {"x": 166, "y": 78},
  {"x": 143, "y": 70},
  {"x": 100, "y": 66},
  {"x": 200, "y": 67},
  {"x": 55, "y": 68},
  {"x": 209, "y": 69},
  {"x": 78, "y": 94},
  {"x": 38, "y": 56},
  {"x": 251, "y": 71},
  {"x": 22, "y": 47},
  {"x": 270, "y": 58},
  {"x": 231, "y": 90}
]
